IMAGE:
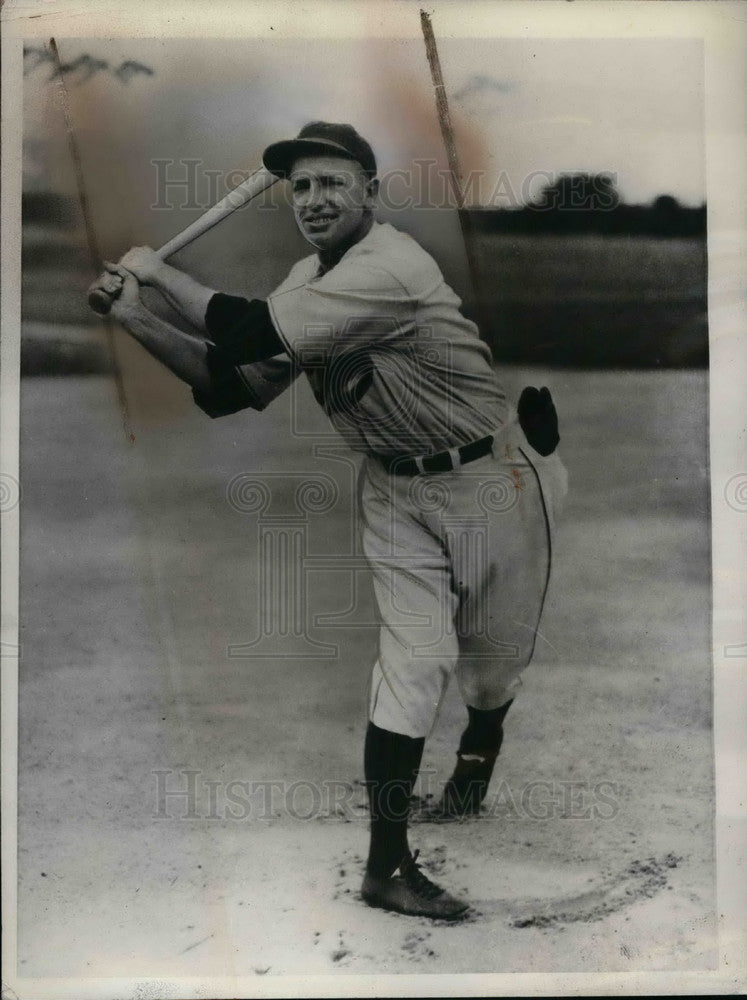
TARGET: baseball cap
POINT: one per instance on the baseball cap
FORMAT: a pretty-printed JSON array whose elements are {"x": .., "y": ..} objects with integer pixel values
[{"x": 320, "y": 137}]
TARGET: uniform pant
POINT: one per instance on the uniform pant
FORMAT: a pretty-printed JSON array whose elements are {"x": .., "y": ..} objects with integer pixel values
[{"x": 461, "y": 563}]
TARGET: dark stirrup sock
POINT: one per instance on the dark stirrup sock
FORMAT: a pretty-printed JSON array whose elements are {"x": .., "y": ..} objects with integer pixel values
[
  {"x": 484, "y": 733},
  {"x": 479, "y": 746},
  {"x": 391, "y": 763}
]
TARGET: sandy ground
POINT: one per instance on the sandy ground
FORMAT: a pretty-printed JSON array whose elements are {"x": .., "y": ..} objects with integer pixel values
[{"x": 596, "y": 851}]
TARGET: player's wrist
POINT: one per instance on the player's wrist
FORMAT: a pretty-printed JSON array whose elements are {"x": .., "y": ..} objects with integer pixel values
[
  {"x": 126, "y": 313},
  {"x": 159, "y": 274}
]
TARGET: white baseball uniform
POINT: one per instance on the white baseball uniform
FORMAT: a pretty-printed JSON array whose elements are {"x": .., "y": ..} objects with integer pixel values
[{"x": 461, "y": 558}]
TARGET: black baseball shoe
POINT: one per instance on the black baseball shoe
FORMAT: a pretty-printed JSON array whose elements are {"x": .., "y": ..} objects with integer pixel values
[
  {"x": 466, "y": 789},
  {"x": 411, "y": 892}
]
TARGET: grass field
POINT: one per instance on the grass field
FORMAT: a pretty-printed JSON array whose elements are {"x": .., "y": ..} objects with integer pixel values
[
  {"x": 596, "y": 301},
  {"x": 136, "y": 574},
  {"x": 578, "y": 301}
]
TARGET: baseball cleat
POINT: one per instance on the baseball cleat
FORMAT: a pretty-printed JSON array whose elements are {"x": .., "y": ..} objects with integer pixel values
[
  {"x": 411, "y": 892},
  {"x": 466, "y": 789}
]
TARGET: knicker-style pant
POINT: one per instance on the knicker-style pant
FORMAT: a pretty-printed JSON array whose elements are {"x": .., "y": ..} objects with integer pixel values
[{"x": 461, "y": 563}]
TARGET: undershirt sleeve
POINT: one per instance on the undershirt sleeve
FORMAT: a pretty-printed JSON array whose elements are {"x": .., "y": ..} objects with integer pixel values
[{"x": 240, "y": 333}]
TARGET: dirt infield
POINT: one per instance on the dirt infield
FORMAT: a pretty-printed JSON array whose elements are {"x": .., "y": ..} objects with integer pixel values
[{"x": 595, "y": 851}]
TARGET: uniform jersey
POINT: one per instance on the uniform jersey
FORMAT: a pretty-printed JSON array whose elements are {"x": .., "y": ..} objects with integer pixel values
[{"x": 396, "y": 366}]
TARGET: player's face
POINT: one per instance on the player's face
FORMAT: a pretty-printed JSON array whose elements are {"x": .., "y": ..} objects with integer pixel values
[{"x": 331, "y": 197}]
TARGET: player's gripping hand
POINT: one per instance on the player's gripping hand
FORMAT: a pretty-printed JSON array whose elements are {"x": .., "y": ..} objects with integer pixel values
[
  {"x": 110, "y": 282},
  {"x": 144, "y": 263},
  {"x": 539, "y": 419},
  {"x": 129, "y": 296}
]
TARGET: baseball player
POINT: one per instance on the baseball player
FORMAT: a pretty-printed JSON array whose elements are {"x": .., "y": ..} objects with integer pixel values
[{"x": 458, "y": 490}]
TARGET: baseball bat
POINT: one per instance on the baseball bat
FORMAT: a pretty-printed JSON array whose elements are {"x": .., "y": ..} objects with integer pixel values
[{"x": 101, "y": 301}]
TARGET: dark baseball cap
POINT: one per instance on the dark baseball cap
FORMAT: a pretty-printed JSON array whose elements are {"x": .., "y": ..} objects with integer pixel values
[{"x": 320, "y": 138}]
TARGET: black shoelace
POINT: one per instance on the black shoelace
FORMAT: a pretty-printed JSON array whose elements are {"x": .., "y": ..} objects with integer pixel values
[{"x": 417, "y": 881}]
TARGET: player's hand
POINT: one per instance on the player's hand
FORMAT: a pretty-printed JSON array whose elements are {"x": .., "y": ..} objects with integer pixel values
[
  {"x": 144, "y": 263},
  {"x": 109, "y": 282},
  {"x": 129, "y": 297}
]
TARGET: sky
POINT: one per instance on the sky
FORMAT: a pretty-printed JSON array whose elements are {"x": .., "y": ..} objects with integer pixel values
[
  {"x": 523, "y": 111},
  {"x": 521, "y": 108}
]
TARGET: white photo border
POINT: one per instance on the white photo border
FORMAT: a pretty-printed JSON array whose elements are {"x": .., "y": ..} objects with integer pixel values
[{"x": 722, "y": 25}]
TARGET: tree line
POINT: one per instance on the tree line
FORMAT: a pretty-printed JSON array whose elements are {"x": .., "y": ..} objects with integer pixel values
[{"x": 590, "y": 203}]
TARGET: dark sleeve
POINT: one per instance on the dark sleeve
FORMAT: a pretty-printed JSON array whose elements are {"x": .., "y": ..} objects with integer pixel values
[
  {"x": 227, "y": 394},
  {"x": 240, "y": 332}
]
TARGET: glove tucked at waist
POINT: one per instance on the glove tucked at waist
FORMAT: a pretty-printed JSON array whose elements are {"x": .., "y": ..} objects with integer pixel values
[{"x": 539, "y": 419}]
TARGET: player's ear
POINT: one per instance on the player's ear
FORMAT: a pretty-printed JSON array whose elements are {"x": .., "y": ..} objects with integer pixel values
[{"x": 372, "y": 191}]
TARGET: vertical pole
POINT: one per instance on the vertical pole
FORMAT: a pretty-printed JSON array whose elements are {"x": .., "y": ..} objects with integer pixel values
[
  {"x": 93, "y": 247},
  {"x": 455, "y": 170}
]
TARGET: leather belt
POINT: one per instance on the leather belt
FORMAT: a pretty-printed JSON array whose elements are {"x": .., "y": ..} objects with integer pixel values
[{"x": 443, "y": 461}]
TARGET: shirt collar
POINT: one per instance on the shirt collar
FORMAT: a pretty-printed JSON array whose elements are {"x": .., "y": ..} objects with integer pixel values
[{"x": 351, "y": 251}]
